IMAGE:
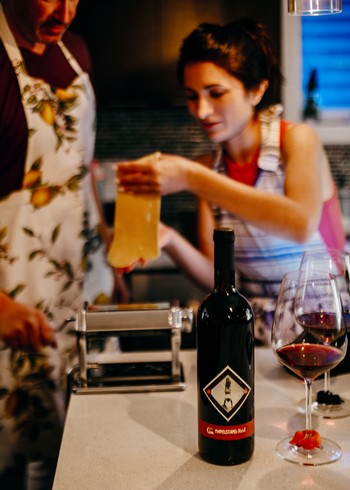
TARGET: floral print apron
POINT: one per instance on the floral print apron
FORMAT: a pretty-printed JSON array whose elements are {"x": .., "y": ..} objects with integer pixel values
[{"x": 49, "y": 245}]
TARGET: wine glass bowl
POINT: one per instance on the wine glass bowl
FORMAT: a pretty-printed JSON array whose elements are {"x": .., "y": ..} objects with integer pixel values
[
  {"x": 309, "y": 337},
  {"x": 327, "y": 404}
]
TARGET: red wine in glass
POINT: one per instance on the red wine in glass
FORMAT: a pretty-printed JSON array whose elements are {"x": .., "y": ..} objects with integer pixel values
[
  {"x": 321, "y": 325},
  {"x": 309, "y": 360}
]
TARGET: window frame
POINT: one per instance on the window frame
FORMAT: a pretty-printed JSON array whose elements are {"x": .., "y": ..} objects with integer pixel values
[{"x": 330, "y": 130}]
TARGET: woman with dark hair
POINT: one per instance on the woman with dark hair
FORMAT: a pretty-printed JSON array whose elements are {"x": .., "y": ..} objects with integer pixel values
[
  {"x": 269, "y": 179},
  {"x": 243, "y": 48}
]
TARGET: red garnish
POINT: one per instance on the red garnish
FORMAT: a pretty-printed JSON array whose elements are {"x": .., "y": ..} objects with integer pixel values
[{"x": 307, "y": 439}]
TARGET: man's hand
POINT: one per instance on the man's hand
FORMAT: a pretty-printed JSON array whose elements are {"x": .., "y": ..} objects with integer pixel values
[{"x": 23, "y": 327}]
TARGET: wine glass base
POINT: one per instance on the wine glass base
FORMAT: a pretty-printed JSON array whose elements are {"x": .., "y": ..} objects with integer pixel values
[
  {"x": 325, "y": 410},
  {"x": 327, "y": 453}
]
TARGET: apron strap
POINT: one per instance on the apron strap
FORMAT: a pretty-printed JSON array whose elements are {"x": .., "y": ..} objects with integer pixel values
[
  {"x": 9, "y": 41},
  {"x": 70, "y": 58}
]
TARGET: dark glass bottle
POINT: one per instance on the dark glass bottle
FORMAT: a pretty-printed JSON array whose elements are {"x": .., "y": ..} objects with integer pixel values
[
  {"x": 311, "y": 110},
  {"x": 225, "y": 364}
]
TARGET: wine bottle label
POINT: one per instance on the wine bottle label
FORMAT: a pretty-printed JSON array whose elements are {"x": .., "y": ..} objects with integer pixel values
[
  {"x": 225, "y": 432},
  {"x": 227, "y": 392}
]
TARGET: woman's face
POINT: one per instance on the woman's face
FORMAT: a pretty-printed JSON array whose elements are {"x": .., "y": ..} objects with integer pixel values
[
  {"x": 42, "y": 21},
  {"x": 219, "y": 101}
]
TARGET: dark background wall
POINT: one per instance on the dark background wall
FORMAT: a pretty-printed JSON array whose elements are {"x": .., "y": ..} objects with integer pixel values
[{"x": 134, "y": 44}]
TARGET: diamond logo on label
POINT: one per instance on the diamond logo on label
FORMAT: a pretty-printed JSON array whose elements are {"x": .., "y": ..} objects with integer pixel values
[{"x": 227, "y": 392}]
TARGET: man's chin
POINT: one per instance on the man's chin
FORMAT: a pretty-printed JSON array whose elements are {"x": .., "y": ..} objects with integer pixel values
[
  {"x": 51, "y": 36},
  {"x": 50, "y": 39}
]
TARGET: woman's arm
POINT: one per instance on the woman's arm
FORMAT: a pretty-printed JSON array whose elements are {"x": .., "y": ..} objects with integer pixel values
[
  {"x": 195, "y": 264},
  {"x": 294, "y": 215}
]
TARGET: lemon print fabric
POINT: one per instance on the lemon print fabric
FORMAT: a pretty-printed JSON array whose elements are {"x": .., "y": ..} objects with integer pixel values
[
  {"x": 135, "y": 230},
  {"x": 55, "y": 108}
]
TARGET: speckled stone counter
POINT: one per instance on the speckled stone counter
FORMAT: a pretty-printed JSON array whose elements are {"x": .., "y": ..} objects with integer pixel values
[{"x": 149, "y": 440}]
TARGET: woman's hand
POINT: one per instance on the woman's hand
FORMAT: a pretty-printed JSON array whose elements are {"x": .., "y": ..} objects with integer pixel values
[
  {"x": 156, "y": 173},
  {"x": 23, "y": 327}
]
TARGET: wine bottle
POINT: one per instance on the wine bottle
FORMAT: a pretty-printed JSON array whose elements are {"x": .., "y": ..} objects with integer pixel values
[{"x": 225, "y": 364}]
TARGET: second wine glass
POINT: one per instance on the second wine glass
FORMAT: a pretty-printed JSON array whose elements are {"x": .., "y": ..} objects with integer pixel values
[{"x": 326, "y": 403}]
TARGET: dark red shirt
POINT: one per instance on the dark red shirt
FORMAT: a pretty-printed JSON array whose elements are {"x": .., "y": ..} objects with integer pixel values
[{"x": 52, "y": 67}]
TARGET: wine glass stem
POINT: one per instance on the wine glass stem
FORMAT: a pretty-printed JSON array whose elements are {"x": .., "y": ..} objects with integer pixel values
[
  {"x": 327, "y": 381},
  {"x": 308, "y": 398}
]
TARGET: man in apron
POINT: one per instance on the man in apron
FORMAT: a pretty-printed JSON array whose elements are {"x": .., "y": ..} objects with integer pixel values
[{"x": 49, "y": 240}]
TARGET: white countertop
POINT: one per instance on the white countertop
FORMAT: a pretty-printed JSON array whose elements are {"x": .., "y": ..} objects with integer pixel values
[{"x": 149, "y": 440}]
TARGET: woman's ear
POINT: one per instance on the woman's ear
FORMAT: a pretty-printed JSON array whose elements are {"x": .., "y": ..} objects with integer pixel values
[{"x": 257, "y": 93}]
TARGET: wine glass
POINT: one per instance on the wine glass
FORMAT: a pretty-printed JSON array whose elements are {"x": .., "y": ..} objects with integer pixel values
[
  {"x": 308, "y": 337},
  {"x": 328, "y": 404}
]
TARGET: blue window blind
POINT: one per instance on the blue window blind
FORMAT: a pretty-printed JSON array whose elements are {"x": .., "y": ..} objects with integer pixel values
[{"x": 326, "y": 49}]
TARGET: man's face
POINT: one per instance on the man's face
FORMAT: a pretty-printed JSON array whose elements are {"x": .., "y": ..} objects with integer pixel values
[{"x": 43, "y": 21}]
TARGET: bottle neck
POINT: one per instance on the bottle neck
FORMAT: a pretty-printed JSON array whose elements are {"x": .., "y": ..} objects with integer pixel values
[
  {"x": 224, "y": 279},
  {"x": 224, "y": 259}
]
